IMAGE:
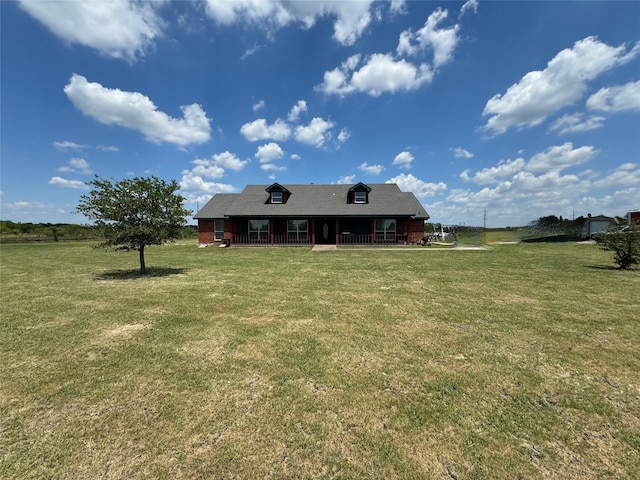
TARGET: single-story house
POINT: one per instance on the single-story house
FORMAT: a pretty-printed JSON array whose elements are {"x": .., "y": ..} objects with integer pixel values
[
  {"x": 598, "y": 224},
  {"x": 313, "y": 214}
]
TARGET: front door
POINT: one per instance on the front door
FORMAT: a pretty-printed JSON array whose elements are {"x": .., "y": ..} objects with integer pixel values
[{"x": 326, "y": 231}]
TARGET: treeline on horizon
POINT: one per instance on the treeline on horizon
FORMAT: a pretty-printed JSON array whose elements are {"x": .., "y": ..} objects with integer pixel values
[{"x": 47, "y": 232}]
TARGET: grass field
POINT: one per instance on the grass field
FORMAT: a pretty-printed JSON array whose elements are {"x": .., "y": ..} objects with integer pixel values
[{"x": 521, "y": 361}]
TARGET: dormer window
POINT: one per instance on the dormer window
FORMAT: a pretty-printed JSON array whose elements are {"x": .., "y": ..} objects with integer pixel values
[
  {"x": 359, "y": 193},
  {"x": 277, "y": 193}
]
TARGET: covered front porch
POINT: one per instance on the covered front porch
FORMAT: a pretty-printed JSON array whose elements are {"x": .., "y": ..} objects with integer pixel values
[{"x": 323, "y": 230}]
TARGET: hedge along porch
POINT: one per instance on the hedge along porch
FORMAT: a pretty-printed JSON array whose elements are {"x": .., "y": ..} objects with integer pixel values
[{"x": 313, "y": 214}]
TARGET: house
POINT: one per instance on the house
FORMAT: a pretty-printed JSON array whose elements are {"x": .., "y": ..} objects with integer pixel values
[
  {"x": 313, "y": 214},
  {"x": 633, "y": 216},
  {"x": 598, "y": 224}
]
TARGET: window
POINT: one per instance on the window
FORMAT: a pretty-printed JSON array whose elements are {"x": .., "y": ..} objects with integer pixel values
[
  {"x": 359, "y": 193},
  {"x": 386, "y": 228},
  {"x": 297, "y": 229},
  {"x": 277, "y": 194},
  {"x": 276, "y": 197},
  {"x": 259, "y": 228},
  {"x": 359, "y": 197},
  {"x": 218, "y": 230}
]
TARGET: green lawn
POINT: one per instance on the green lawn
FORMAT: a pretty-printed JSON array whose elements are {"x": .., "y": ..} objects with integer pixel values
[{"x": 521, "y": 361}]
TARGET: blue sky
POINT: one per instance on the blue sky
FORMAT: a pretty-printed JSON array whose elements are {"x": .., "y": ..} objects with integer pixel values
[{"x": 524, "y": 109}]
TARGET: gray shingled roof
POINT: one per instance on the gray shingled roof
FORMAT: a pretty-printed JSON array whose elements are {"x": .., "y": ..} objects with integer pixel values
[{"x": 309, "y": 200}]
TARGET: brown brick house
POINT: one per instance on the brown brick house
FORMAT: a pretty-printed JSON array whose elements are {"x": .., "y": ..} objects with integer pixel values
[{"x": 313, "y": 214}]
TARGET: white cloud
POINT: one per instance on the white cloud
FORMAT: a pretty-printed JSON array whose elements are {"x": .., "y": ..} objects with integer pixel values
[
  {"x": 76, "y": 165},
  {"x": 197, "y": 189},
  {"x": 66, "y": 145},
  {"x": 553, "y": 159},
  {"x": 204, "y": 168},
  {"x": 441, "y": 41},
  {"x": 380, "y": 74},
  {"x": 560, "y": 157},
  {"x": 296, "y": 110},
  {"x": 269, "y": 152},
  {"x": 371, "y": 169},
  {"x": 258, "y": 106},
  {"x": 316, "y": 133},
  {"x": 616, "y": 99},
  {"x": 346, "y": 180},
  {"x": 383, "y": 74},
  {"x": 564, "y": 81},
  {"x": 196, "y": 184},
  {"x": 335, "y": 81},
  {"x": 503, "y": 170},
  {"x": 136, "y": 111},
  {"x": 409, "y": 183},
  {"x": 626, "y": 175},
  {"x": 215, "y": 166},
  {"x": 397, "y": 6},
  {"x": 64, "y": 183},
  {"x": 228, "y": 160},
  {"x": 460, "y": 152},
  {"x": 251, "y": 51},
  {"x": 107, "y": 148},
  {"x": 576, "y": 122},
  {"x": 351, "y": 18},
  {"x": 260, "y": 130},
  {"x": 468, "y": 6},
  {"x": 25, "y": 204},
  {"x": 272, "y": 166},
  {"x": 295, "y": 156},
  {"x": 403, "y": 160},
  {"x": 344, "y": 135},
  {"x": 122, "y": 29},
  {"x": 522, "y": 191}
]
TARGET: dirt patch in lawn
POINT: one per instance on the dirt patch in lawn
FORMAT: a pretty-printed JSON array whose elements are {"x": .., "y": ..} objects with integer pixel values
[{"x": 125, "y": 331}]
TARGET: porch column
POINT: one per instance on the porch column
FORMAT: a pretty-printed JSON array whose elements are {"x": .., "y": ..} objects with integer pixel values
[
  {"x": 405, "y": 231},
  {"x": 271, "y": 235},
  {"x": 313, "y": 231},
  {"x": 373, "y": 231},
  {"x": 337, "y": 230}
]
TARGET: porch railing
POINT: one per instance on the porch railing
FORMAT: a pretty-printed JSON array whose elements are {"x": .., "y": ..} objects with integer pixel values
[
  {"x": 286, "y": 239},
  {"x": 305, "y": 239},
  {"x": 251, "y": 240},
  {"x": 368, "y": 239}
]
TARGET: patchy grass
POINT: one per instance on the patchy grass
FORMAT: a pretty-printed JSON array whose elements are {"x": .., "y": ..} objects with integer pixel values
[{"x": 516, "y": 362}]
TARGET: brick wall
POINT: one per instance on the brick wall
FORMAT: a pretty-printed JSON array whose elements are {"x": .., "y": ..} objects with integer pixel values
[
  {"x": 205, "y": 232},
  {"x": 415, "y": 231}
]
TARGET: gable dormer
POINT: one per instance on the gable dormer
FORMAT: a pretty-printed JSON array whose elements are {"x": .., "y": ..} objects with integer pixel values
[
  {"x": 277, "y": 193},
  {"x": 359, "y": 194}
]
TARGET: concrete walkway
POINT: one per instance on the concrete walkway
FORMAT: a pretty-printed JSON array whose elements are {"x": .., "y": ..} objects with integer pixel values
[{"x": 324, "y": 248}]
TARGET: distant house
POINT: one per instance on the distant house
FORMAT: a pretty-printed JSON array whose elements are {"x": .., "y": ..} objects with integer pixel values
[
  {"x": 633, "y": 216},
  {"x": 313, "y": 214},
  {"x": 599, "y": 224}
]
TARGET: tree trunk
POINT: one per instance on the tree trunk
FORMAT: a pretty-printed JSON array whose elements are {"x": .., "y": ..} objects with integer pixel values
[{"x": 143, "y": 269}]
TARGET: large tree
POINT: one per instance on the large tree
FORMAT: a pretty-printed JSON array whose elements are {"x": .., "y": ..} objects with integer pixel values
[{"x": 134, "y": 213}]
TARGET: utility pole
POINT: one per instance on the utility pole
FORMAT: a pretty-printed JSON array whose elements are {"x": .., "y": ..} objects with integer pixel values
[{"x": 484, "y": 231}]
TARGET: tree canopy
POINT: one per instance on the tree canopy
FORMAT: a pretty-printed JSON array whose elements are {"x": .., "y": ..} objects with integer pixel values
[
  {"x": 134, "y": 213},
  {"x": 624, "y": 243}
]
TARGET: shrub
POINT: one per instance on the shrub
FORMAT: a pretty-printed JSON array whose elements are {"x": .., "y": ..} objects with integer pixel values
[{"x": 625, "y": 245}]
